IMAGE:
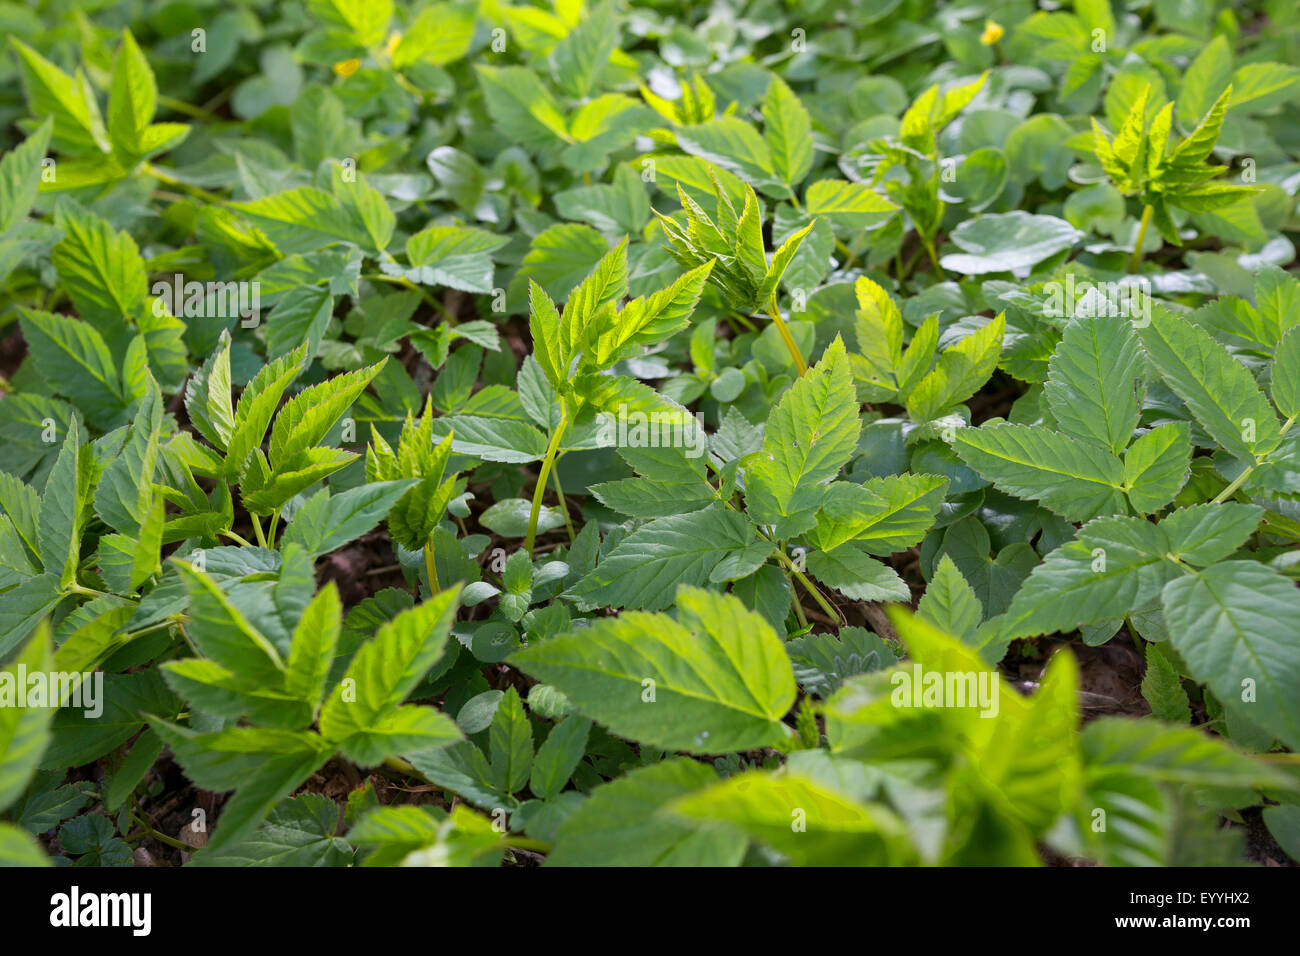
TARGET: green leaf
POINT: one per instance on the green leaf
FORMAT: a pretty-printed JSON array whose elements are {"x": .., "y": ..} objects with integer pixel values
[
  {"x": 384, "y": 671},
  {"x": 1168, "y": 754},
  {"x": 523, "y": 109},
  {"x": 882, "y": 515},
  {"x": 133, "y": 98},
  {"x": 621, "y": 821},
  {"x": 1286, "y": 374},
  {"x": 579, "y": 59},
  {"x": 311, "y": 652},
  {"x": 961, "y": 370},
  {"x": 833, "y": 829},
  {"x": 1075, "y": 479},
  {"x": 326, "y": 522},
  {"x": 717, "y": 679},
  {"x": 1096, "y": 381},
  {"x": 1007, "y": 242},
  {"x": 1115, "y": 566},
  {"x": 810, "y": 436},
  {"x": 20, "y": 177},
  {"x": 1218, "y": 390},
  {"x": 24, "y": 731},
  {"x": 101, "y": 270},
  {"x": 511, "y": 741},
  {"x": 441, "y": 34},
  {"x": 70, "y": 100},
  {"x": 1206, "y": 533},
  {"x": 365, "y": 21},
  {"x": 849, "y": 205},
  {"x": 1237, "y": 625},
  {"x": 1163, "y": 690},
  {"x": 787, "y": 129},
  {"x": 849, "y": 570},
  {"x": 75, "y": 361},
  {"x": 454, "y": 256},
  {"x": 558, "y": 756},
  {"x": 298, "y": 832},
  {"x": 60, "y": 521},
  {"x": 221, "y": 632},
  {"x": 949, "y": 603},
  {"x": 1157, "y": 465},
  {"x": 644, "y": 569},
  {"x": 308, "y": 416}
]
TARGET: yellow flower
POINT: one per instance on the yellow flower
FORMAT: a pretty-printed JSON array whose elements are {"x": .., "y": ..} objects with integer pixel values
[
  {"x": 992, "y": 33},
  {"x": 394, "y": 38},
  {"x": 347, "y": 67}
]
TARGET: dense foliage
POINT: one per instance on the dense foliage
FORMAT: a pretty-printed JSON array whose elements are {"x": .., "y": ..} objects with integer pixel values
[{"x": 649, "y": 432}]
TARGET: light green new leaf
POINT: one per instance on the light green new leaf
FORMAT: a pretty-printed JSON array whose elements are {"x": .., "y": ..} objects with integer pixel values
[
  {"x": 133, "y": 98},
  {"x": 715, "y": 680},
  {"x": 387, "y": 668},
  {"x": 24, "y": 731},
  {"x": 836, "y": 830},
  {"x": 311, "y": 652},
  {"x": 811, "y": 434},
  {"x": 959, "y": 373},
  {"x": 787, "y": 130},
  {"x": 849, "y": 205}
]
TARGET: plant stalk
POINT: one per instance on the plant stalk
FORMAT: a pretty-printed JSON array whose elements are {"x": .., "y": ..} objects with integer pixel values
[
  {"x": 1135, "y": 261},
  {"x": 543, "y": 477},
  {"x": 1237, "y": 482},
  {"x": 774, "y": 311}
]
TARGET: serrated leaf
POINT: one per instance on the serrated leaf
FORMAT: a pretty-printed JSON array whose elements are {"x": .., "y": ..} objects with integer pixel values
[
  {"x": 1075, "y": 479},
  {"x": 720, "y": 678}
]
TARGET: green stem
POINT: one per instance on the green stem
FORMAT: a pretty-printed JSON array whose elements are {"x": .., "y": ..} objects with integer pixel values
[
  {"x": 270, "y": 528},
  {"x": 542, "y": 478},
  {"x": 431, "y": 568},
  {"x": 237, "y": 538},
  {"x": 934, "y": 256},
  {"x": 564, "y": 505},
  {"x": 257, "y": 530},
  {"x": 798, "y": 606},
  {"x": 160, "y": 837},
  {"x": 180, "y": 106},
  {"x": 811, "y": 588},
  {"x": 775, "y": 312},
  {"x": 165, "y": 177},
  {"x": 743, "y": 320},
  {"x": 1237, "y": 482},
  {"x": 1136, "y": 259}
]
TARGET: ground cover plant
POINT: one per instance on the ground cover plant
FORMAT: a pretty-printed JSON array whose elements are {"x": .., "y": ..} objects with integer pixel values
[{"x": 631, "y": 433}]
